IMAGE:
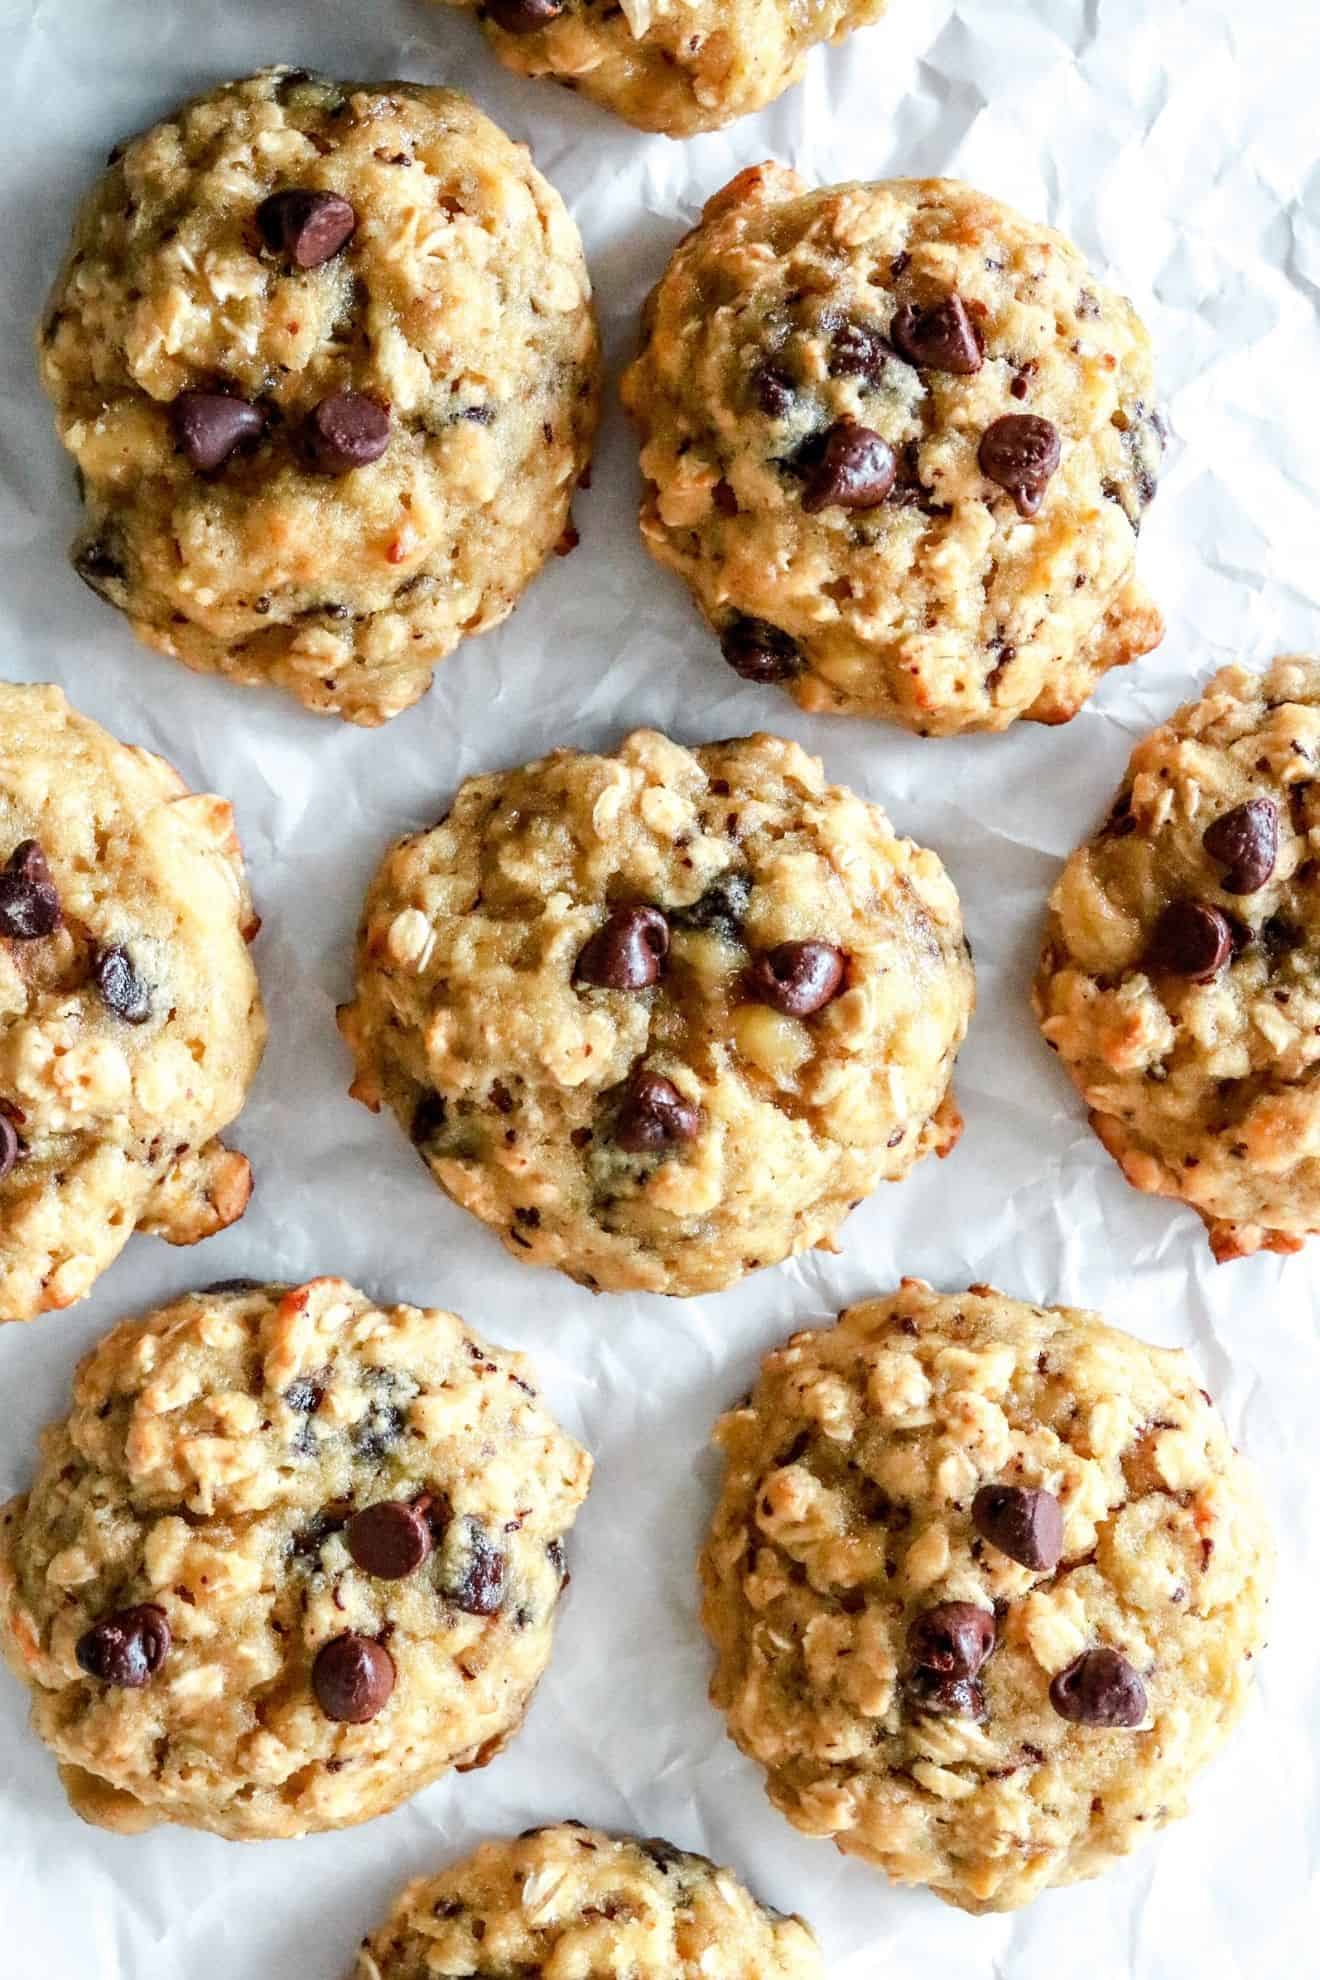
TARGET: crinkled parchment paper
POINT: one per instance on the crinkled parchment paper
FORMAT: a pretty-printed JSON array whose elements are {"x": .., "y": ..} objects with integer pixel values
[{"x": 1175, "y": 141}]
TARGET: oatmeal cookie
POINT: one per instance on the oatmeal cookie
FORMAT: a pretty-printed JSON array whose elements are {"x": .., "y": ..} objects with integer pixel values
[
  {"x": 663, "y": 1016},
  {"x": 678, "y": 66},
  {"x": 1180, "y": 979},
  {"x": 898, "y": 440},
  {"x": 290, "y": 1557},
  {"x": 131, "y": 1023},
  {"x": 985, "y": 1582},
  {"x": 569, "y": 1900},
  {"x": 325, "y": 357}
]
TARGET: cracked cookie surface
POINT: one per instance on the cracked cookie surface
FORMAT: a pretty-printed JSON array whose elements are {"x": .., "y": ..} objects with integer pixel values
[
  {"x": 325, "y": 357},
  {"x": 1178, "y": 981},
  {"x": 897, "y": 441},
  {"x": 985, "y": 1581},
  {"x": 678, "y": 66},
  {"x": 568, "y": 1900},
  {"x": 290, "y": 1557},
  {"x": 663, "y": 1016},
  {"x": 131, "y": 1023}
]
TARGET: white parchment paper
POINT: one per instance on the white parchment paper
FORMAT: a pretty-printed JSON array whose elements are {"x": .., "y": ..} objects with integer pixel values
[{"x": 1175, "y": 140}]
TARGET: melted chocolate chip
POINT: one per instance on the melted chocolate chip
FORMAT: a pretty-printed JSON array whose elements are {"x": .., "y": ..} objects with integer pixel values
[
  {"x": 377, "y": 1432},
  {"x": 98, "y": 566},
  {"x": 1099, "y": 1688},
  {"x": 1020, "y": 452},
  {"x": 429, "y": 1118},
  {"x": 10, "y": 1145},
  {"x": 773, "y": 389},
  {"x": 303, "y": 1395},
  {"x": 210, "y": 426},
  {"x": 721, "y": 908},
  {"x": 308, "y": 227},
  {"x": 627, "y": 951},
  {"x": 347, "y": 431},
  {"x": 858, "y": 350},
  {"x": 127, "y": 1648},
  {"x": 523, "y": 16},
  {"x": 797, "y": 978},
  {"x": 481, "y": 1584},
  {"x": 653, "y": 1115},
  {"x": 353, "y": 1679},
  {"x": 1191, "y": 940},
  {"x": 389, "y": 1540},
  {"x": 662, "y": 1854},
  {"x": 761, "y": 652},
  {"x": 942, "y": 338},
  {"x": 954, "y": 1638},
  {"x": 946, "y": 1697},
  {"x": 122, "y": 990},
  {"x": 1023, "y": 1522},
  {"x": 849, "y": 468},
  {"x": 29, "y": 904},
  {"x": 1246, "y": 841}
]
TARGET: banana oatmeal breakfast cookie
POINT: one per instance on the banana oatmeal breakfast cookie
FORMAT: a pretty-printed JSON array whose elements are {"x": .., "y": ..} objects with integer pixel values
[
  {"x": 325, "y": 357},
  {"x": 290, "y": 1557},
  {"x": 664, "y": 1016},
  {"x": 568, "y": 1900},
  {"x": 678, "y": 66},
  {"x": 985, "y": 1583},
  {"x": 1179, "y": 980},
  {"x": 131, "y": 1024},
  {"x": 897, "y": 440}
]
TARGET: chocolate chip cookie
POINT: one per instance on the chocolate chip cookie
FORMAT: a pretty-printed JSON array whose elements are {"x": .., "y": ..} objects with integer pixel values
[
  {"x": 290, "y": 1557},
  {"x": 985, "y": 1582},
  {"x": 131, "y": 1024},
  {"x": 325, "y": 357},
  {"x": 1180, "y": 979},
  {"x": 663, "y": 1016},
  {"x": 571, "y": 1900},
  {"x": 897, "y": 440},
  {"x": 679, "y": 68}
]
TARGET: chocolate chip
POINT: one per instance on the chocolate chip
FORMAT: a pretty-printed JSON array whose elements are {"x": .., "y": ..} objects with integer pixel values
[
  {"x": 627, "y": 951},
  {"x": 429, "y": 1117},
  {"x": 1023, "y": 1522},
  {"x": 1099, "y": 1688},
  {"x": 309, "y": 227},
  {"x": 347, "y": 431},
  {"x": 303, "y": 1394},
  {"x": 1020, "y": 452},
  {"x": 126, "y": 1648},
  {"x": 352, "y": 1678},
  {"x": 942, "y": 338},
  {"x": 10, "y": 1145},
  {"x": 797, "y": 978},
  {"x": 761, "y": 652},
  {"x": 481, "y": 1584},
  {"x": 377, "y": 1432},
  {"x": 523, "y": 16},
  {"x": 662, "y": 1854},
  {"x": 1246, "y": 841},
  {"x": 29, "y": 904},
  {"x": 558, "y": 1559},
  {"x": 1191, "y": 940},
  {"x": 946, "y": 1697},
  {"x": 954, "y": 1638},
  {"x": 858, "y": 350},
  {"x": 774, "y": 389},
  {"x": 850, "y": 468},
  {"x": 721, "y": 908},
  {"x": 653, "y": 1115},
  {"x": 390, "y": 1539},
  {"x": 122, "y": 990},
  {"x": 98, "y": 566},
  {"x": 210, "y": 426}
]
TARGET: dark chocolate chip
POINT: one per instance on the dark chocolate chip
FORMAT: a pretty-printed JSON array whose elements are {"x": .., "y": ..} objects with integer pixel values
[
  {"x": 29, "y": 904},
  {"x": 523, "y": 16},
  {"x": 946, "y": 1697},
  {"x": 126, "y": 1648},
  {"x": 1246, "y": 841},
  {"x": 244, "y": 1286},
  {"x": 558, "y": 1559},
  {"x": 377, "y": 1432},
  {"x": 798, "y": 978},
  {"x": 653, "y": 1115},
  {"x": 850, "y": 468},
  {"x": 210, "y": 426},
  {"x": 390, "y": 1539},
  {"x": 858, "y": 350},
  {"x": 663, "y": 1854},
  {"x": 1023, "y": 1522},
  {"x": 774, "y": 389},
  {"x": 761, "y": 652},
  {"x": 122, "y": 990},
  {"x": 1099, "y": 1688},
  {"x": 481, "y": 1584},
  {"x": 347, "y": 431},
  {"x": 429, "y": 1117},
  {"x": 1020, "y": 452},
  {"x": 1191, "y": 940},
  {"x": 303, "y": 1394},
  {"x": 309, "y": 227},
  {"x": 954, "y": 1638},
  {"x": 942, "y": 338},
  {"x": 626, "y": 952},
  {"x": 721, "y": 908},
  {"x": 352, "y": 1678},
  {"x": 10, "y": 1145},
  {"x": 98, "y": 566}
]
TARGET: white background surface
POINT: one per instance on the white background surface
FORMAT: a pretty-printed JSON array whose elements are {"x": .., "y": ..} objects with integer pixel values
[{"x": 1176, "y": 143}]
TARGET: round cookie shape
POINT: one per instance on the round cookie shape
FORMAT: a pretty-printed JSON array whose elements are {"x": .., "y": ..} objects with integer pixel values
[
  {"x": 664, "y": 1016},
  {"x": 325, "y": 357},
  {"x": 1180, "y": 977},
  {"x": 568, "y": 1899},
  {"x": 186, "y": 1592},
  {"x": 951, "y": 1682},
  {"x": 131, "y": 1024},
  {"x": 897, "y": 441},
  {"x": 679, "y": 69}
]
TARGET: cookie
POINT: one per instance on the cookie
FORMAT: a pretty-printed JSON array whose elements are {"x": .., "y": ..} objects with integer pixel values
[
  {"x": 664, "y": 1016},
  {"x": 1180, "y": 979},
  {"x": 678, "y": 69},
  {"x": 131, "y": 1024},
  {"x": 984, "y": 1582},
  {"x": 897, "y": 441},
  {"x": 572, "y": 1900},
  {"x": 324, "y": 355},
  {"x": 291, "y": 1556}
]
